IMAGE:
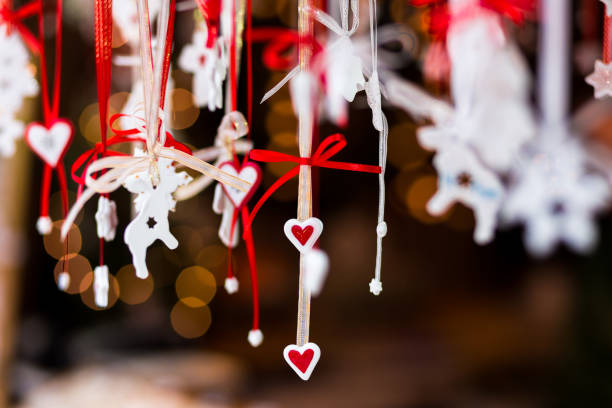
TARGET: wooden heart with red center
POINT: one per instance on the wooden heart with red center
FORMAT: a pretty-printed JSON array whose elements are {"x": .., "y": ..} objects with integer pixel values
[
  {"x": 249, "y": 172},
  {"x": 49, "y": 143},
  {"x": 302, "y": 359},
  {"x": 303, "y": 234}
]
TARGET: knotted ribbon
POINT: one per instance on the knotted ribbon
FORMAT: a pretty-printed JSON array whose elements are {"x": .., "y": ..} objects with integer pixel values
[
  {"x": 118, "y": 168},
  {"x": 233, "y": 127},
  {"x": 328, "y": 148},
  {"x": 15, "y": 19}
]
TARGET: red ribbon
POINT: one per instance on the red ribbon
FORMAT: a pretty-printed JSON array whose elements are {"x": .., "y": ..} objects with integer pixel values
[
  {"x": 211, "y": 12},
  {"x": 15, "y": 19},
  {"x": 280, "y": 53},
  {"x": 328, "y": 148},
  {"x": 439, "y": 15}
]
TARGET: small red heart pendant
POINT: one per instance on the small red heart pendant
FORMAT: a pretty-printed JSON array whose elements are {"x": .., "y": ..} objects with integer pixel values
[
  {"x": 302, "y": 359},
  {"x": 303, "y": 234}
]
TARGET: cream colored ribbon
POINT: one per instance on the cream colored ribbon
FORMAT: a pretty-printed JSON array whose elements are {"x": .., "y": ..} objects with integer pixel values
[{"x": 233, "y": 127}]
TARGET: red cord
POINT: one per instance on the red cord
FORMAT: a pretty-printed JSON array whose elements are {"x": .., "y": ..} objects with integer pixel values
[{"x": 607, "y": 42}]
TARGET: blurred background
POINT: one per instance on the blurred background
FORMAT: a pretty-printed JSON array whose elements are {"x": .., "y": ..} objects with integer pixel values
[{"x": 457, "y": 325}]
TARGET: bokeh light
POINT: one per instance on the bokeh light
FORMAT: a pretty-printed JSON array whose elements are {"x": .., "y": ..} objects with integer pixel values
[
  {"x": 190, "y": 322},
  {"x": 211, "y": 257},
  {"x": 54, "y": 245},
  {"x": 184, "y": 113},
  {"x": 77, "y": 267},
  {"x": 403, "y": 150},
  {"x": 196, "y": 286},
  {"x": 133, "y": 290},
  {"x": 419, "y": 193}
]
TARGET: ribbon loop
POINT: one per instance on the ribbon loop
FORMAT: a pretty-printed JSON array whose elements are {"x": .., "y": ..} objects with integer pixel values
[{"x": 328, "y": 148}]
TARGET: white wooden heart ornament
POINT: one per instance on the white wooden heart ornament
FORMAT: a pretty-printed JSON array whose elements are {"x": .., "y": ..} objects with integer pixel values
[
  {"x": 49, "y": 143},
  {"x": 249, "y": 172},
  {"x": 302, "y": 359},
  {"x": 303, "y": 234}
]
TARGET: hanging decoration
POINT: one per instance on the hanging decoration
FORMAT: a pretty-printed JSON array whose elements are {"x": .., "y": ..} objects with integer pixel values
[
  {"x": 50, "y": 140},
  {"x": 17, "y": 78},
  {"x": 148, "y": 172},
  {"x": 601, "y": 78}
]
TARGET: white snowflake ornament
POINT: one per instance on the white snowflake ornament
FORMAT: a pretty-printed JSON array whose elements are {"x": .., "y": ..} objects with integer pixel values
[
  {"x": 106, "y": 218},
  {"x": 601, "y": 79},
  {"x": 152, "y": 205},
  {"x": 11, "y": 129},
  {"x": 556, "y": 199},
  {"x": 462, "y": 178},
  {"x": 17, "y": 80}
]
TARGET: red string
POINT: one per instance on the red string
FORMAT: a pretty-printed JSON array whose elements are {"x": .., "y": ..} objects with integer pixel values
[
  {"x": 51, "y": 102},
  {"x": 103, "y": 17},
  {"x": 45, "y": 190},
  {"x": 328, "y": 148},
  {"x": 168, "y": 51},
  {"x": 14, "y": 19},
  {"x": 607, "y": 41},
  {"x": 233, "y": 68},
  {"x": 249, "y": 52},
  {"x": 230, "y": 269},
  {"x": 248, "y": 239}
]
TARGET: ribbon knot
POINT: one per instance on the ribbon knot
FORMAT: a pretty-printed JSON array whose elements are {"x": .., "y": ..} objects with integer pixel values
[
  {"x": 15, "y": 19},
  {"x": 327, "y": 149}
]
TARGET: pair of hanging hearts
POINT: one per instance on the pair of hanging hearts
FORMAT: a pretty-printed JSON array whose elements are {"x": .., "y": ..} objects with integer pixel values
[{"x": 302, "y": 234}]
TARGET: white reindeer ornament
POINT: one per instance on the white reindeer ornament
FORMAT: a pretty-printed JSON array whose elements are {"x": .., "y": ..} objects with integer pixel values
[{"x": 152, "y": 204}]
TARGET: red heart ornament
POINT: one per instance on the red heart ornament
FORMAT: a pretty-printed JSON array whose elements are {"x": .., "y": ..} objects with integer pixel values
[
  {"x": 302, "y": 359},
  {"x": 249, "y": 172},
  {"x": 303, "y": 234},
  {"x": 49, "y": 143}
]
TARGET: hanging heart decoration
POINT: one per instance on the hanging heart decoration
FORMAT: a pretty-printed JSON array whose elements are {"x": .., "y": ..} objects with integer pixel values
[
  {"x": 302, "y": 359},
  {"x": 303, "y": 234},
  {"x": 49, "y": 143},
  {"x": 249, "y": 172}
]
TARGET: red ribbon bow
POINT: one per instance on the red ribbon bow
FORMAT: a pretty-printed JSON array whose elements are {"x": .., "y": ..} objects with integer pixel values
[
  {"x": 121, "y": 136},
  {"x": 15, "y": 19},
  {"x": 328, "y": 148}
]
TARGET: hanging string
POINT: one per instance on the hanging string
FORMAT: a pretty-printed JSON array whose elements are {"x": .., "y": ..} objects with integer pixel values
[
  {"x": 104, "y": 39},
  {"x": 607, "y": 40}
]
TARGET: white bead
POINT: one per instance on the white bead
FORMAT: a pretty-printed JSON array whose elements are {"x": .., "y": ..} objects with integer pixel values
[
  {"x": 231, "y": 285},
  {"x": 375, "y": 287},
  {"x": 381, "y": 229},
  {"x": 44, "y": 226},
  {"x": 63, "y": 281},
  {"x": 255, "y": 337}
]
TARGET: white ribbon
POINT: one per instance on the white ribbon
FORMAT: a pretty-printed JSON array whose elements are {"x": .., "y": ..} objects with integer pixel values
[{"x": 233, "y": 127}]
